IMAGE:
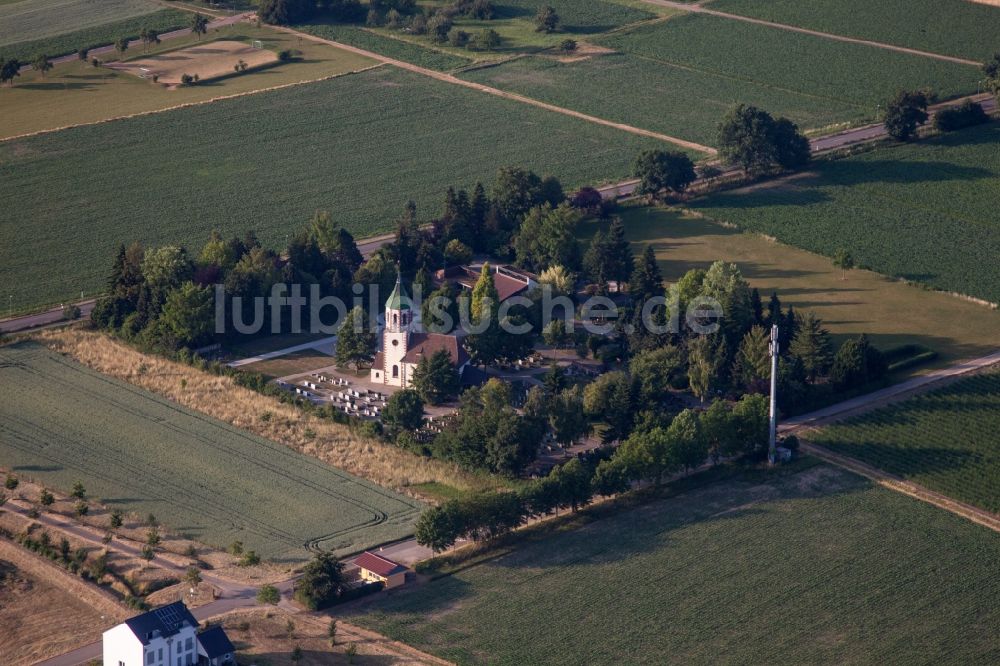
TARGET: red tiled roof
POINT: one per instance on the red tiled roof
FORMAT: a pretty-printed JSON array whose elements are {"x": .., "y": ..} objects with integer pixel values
[
  {"x": 425, "y": 344},
  {"x": 378, "y": 565},
  {"x": 379, "y": 361}
]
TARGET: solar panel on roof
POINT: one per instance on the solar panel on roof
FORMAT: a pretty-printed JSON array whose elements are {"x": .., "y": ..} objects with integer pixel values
[{"x": 169, "y": 616}]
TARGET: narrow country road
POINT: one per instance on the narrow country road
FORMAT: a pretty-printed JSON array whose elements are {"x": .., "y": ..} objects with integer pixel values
[{"x": 701, "y": 9}]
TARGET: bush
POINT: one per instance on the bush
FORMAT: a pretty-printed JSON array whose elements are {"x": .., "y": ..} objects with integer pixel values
[
  {"x": 966, "y": 114},
  {"x": 71, "y": 312},
  {"x": 568, "y": 45},
  {"x": 268, "y": 594},
  {"x": 287, "y": 55}
]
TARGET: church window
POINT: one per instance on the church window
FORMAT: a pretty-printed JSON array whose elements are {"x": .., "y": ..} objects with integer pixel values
[{"x": 395, "y": 371}]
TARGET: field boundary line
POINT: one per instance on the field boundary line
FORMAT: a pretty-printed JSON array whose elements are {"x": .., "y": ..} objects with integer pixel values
[
  {"x": 454, "y": 80},
  {"x": 186, "y": 105},
  {"x": 698, "y": 8},
  {"x": 899, "y": 485}
]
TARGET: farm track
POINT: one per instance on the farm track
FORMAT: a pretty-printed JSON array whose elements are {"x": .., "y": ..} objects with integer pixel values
[{"x": 699, "y": 8}]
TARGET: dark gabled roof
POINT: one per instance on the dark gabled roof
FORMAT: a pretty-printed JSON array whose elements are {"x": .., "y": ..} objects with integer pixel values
[
  {"x": 473, "y": 376},
  {"x": 377, "y": 564},
  {"x": 425, "y": 344},
  {"x": 215, "y": 643},
  {"x": 164, "y": 621}
]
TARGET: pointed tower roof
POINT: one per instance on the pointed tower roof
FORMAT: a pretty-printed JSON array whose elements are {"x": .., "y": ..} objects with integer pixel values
[{"x": 398, "y": 299}]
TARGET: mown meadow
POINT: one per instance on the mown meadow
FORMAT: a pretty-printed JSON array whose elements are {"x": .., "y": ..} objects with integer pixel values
[
  {"x": 947, "y": 440},
  {"x": 817, "y": 566},
  {"x": 61, "y": 423},
  {"x": 924, "y": 211},
  {"x": 359, "y": 146},
  {"x": 949, "y": 27}
]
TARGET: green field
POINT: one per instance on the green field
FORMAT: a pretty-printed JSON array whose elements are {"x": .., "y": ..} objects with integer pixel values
[
  {"x": 681, "y": 76},
  {"x": 61, "y": 423},
  {"x": 925, "y": 212},
  {"x": 950, "y": 27},
  {"x": 890, "y": 312},
  {"x": 56, "y": 27},
  {"x": 817, "y": 567},
  {"x": 360, "y": 146},
  {"x": 947, "y": 440},
  {"x": 388, "y": 46}
]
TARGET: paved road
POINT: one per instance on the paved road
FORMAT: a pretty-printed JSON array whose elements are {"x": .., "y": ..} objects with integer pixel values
[
  {"x": 137, "y": 43},
  {"x": 700, "y": 9}
]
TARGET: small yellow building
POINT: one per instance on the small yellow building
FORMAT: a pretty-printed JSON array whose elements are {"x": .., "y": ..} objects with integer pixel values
[{"x": 378, "y": 569}]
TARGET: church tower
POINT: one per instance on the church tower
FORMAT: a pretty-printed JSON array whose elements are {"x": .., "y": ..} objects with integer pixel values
[{"x": 396, "y": 336}]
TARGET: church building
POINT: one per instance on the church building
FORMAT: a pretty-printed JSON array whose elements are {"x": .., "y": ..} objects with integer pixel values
[{"x": 402, "y": 348}]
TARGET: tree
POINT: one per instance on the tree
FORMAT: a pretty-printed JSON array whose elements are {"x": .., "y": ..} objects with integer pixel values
[
  {"x": 331, "y": 632},
  {"x": 662, "y": 171},
  {"x": 82, "y": 53},
  {"x": 568, "y": 45},
  {"x": 991, "y": 69},
  {"x": 199, "y": 25},
  {"x": 558, "y": 278},
  {"x": 11, "y": 482},
  {"x": 610, "y": 397},
  {"x": 404, "y": 410},
  {"x": 321, "y": 583},
  {"x": 753, "y": 358},
  {"x": 687, "y": 446},
  {"x": 42, "y": 64},
  {"x": 351, "y": 652},
  {"x": 573, "y": 482},
  {"x": 548, "y": 238},
  {"x": 566, "y": 416},
  {"x": 79, "y": 492},
  {"x": 355, "y": 343},
  {"x": 546, "y": 20},
  {"x": 296, "y": 655},
  {"x": 646, "y": 280},
  {"x": 153, "y": 536},
  {"x": 45, "y": 498},
  {"x": 192, "y": 576},
  {"x": 116, "y": 519},
  {"x": 857, "y": 363},
  {"x": 754, "y": 140},
  {"x": 147, "y": 553},
  {"x": 719, "y": 429},
  {"x": 8, "y": 70},
  {"x": 706, "y": 358},
  {"x": 843, "y": 260},
  {"x": 486, "y": 39},
  {"x": 904, "y": 113},
  {"x": 752, "y": 422},
  {"x": 188, "y": 315},
  {"x": 121, "y": 46},
  {"x": 81, "y": 508},
  {"x": 436, "y": 379},
  {"x": 457, "y": 253},
  {"x": 812, "y": 346},
  {"x": 484, "y": 295},
  {"x": 152, "y": 37},
  {"x": 653, "y": 372}
]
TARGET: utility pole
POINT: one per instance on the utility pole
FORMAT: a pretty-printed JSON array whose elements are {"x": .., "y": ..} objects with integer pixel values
[{"x": 772, "y": 434}]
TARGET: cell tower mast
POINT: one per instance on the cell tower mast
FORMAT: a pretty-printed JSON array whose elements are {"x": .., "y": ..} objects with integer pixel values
[{"x": 772, "y": 435}]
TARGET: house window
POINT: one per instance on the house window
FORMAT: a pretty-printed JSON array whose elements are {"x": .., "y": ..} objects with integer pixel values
[
  {"x": 150, "y": 657},
  {"x": 395, "y": 371},
  {"x": 189, "y": 644},
  {"x": 395, "y": 320}
]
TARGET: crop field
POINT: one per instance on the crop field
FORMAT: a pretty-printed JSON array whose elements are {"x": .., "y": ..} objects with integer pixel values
[
  {"x": 925, "y": 212},
  {"x": 947, "y": 440},
  {"x": 61, "y": 423},
  {"x": 361, "y": 145},
  {"x": 682, "y": 75},
  {"x": 817, "y": 567},
  {"x": 78, "y": 23},
  {"x": 390, "y": 47},
  {"x": 890, "y": 312},
  {"x": 951, "y": 27}
]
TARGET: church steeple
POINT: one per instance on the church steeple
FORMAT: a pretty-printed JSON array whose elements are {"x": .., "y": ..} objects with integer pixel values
[{"x": 397, "y": 308}]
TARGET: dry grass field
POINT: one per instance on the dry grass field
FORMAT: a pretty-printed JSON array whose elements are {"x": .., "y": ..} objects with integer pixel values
[
  {"x": 42, "y": 613},
  {"x": 261, "y": 637},
  {"x": 206, "y": 61}
]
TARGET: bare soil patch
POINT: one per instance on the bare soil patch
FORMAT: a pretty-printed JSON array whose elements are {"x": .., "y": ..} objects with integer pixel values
[
  {"x": 585, "y": 50},
  {"x": 207, "y": 61}
]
